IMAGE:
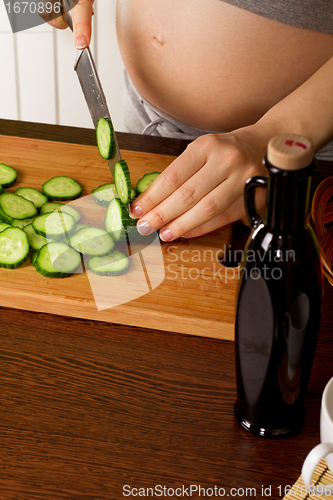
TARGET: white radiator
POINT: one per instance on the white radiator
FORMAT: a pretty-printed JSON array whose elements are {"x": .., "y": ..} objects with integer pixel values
[{"x": 38, "y": 82}]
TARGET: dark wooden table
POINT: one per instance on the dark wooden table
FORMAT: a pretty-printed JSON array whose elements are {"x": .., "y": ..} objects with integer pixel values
[{"x": 88, "y": 407}]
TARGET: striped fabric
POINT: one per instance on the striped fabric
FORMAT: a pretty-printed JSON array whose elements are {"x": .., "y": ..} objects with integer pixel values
[{"x": 321, "y": 476}]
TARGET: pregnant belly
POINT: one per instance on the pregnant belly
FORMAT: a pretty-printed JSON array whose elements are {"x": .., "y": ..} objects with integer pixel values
[{"x": 213, "y": 65}]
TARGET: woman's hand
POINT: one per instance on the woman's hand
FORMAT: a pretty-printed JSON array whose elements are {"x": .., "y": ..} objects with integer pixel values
[
  {"x": 81, "y": 16},
  {"x": 203, "y": 189}
]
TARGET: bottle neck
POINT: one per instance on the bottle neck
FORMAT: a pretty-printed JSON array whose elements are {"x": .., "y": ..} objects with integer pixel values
[{"x": 288, "y": 195}]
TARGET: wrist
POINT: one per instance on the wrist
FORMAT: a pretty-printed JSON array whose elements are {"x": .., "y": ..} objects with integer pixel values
[
  {"x": 291, "y": 115},
  {"x": 262, "y": 131}
]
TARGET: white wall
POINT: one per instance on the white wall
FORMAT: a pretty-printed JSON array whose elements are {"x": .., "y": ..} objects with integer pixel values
[{"x": 38, "y": 82}]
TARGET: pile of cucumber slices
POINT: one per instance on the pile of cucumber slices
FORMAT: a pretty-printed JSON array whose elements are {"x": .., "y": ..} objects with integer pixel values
[{"x": 39, "y": 224}]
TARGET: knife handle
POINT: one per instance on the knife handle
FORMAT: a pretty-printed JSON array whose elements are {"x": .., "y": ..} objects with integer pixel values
[{"x": 66, "y": 6}]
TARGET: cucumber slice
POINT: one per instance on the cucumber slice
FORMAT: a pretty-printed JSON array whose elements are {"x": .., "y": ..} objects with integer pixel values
[
  {"x": 105, "y": 138},
  {"x": 2, "y": 190},
  {"x": 33, "y": 257},
  {"x": 80, "y": 226},
  {"x": 145, "y": 181},
  {"x": 117, "y": 220},
  {"x": 3, "y": 226},
  {"x": 103, "y": 194},
  {"x": 57, "y": 260},
  {"x": 50, "y": 206},
  {"x": 71, "y": 211},
  {"x": 5, "y": 218},
  {"x": 35, "y": 240},
  {"x": 21, "y": 222},
  {"x": 122, "y": 181},
  {"x": 92, "y": 241},
  {"x": 8, "y": 175},
  {"x": 14, "y": 247},
  {"x": 62, "y": 188},
  {"x": 16, "y": 207},
  {"x": 114, "y": 264},
  {"x": 32, "y": 194},
  {"x": 55, "y": 225}
]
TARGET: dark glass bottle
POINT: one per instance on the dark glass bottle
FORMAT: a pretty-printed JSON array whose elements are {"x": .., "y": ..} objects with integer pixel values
[{"x": 279, "y": 295}]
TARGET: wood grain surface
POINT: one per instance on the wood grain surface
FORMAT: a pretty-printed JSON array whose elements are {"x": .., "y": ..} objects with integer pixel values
[
  {"x": 87, "y": 406},
  {"x": 187, "y": 289}
]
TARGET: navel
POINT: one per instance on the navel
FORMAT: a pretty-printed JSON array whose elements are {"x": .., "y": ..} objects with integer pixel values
[{"x": 158, "y": 40}]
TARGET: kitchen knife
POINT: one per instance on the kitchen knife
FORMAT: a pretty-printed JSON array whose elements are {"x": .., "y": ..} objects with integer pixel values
[{"x": 92, "y": 89}]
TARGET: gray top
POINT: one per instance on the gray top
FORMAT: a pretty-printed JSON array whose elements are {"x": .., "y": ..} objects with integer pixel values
[{"x": 314, "y": 15}]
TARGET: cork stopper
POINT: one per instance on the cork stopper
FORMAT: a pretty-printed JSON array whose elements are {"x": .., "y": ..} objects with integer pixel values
[{"x": 290, "y": 152}]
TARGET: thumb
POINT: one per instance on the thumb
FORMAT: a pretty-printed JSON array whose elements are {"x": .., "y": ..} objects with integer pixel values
[{"x": 81, "y": 17}]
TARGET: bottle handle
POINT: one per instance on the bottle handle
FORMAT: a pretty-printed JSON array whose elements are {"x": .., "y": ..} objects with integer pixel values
[{"x": 258, "y": 181}]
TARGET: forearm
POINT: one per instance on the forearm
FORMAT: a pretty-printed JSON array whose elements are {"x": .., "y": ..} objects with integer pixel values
[{"x": 307, "y": 111}]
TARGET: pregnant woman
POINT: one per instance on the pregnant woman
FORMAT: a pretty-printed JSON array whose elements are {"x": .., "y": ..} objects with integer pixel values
[{"x": 228, "y": 75}]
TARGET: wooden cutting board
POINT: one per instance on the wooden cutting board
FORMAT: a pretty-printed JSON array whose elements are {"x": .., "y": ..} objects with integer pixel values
[{"x": 191, "y": 293}]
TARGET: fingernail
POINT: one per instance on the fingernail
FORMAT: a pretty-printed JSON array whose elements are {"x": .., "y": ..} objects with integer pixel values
[
  {"x": 135, "y": 211},
  {"x": 144, "y": 228},
  {"x": 81, "y": 42},
  {"x": 166, "y": 235}
]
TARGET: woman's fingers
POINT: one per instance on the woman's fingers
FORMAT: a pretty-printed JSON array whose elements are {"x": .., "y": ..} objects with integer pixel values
[
  {"x": 210, "y": 207},
  {"x": 187, "y": 200},
  {"x": 234, "y": 212},
  {"x": 81, "y": 16},
  {"x": 177, "y": 173},
  {"x": 175, "y": 222}
]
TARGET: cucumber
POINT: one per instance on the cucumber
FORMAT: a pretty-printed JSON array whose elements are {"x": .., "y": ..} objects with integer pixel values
[
  {"x": 4, "y": 218},
  {"x": 50, "y": 206},
  {"x": 55, "y": 225},
  {"x": 62, "y": 188},
  {"x": 16, "y": 206},
  {"x": 71, "y": 211},
  {"x": 80, "y": 226},
  {"x": 3, "y": 226},
  {"x": 14, "y": 247},
  {"x": 8, "y": 175},
  {"x": 103, "y": 194},
  {"x": 35, "y": 240},
  {"x": 117, "y": 220},
  {"x": 32, "y": 194},
  {"x": 122, "y": 181},
  {"x": 21, "y": 222},
  {"x": 114, "y": 264},
  {"x": 92, "y": 241},
  {"x": 105, "y": 138},
  {"x": 57, "y": 260},
  {"x": 33, "y": 257},
  {"x": 56, "y": 236},
  {"x": 145, "y": 181}
]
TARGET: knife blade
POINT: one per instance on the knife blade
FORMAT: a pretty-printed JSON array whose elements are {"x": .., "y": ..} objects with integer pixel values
[{"x": 91, "y": 85}]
